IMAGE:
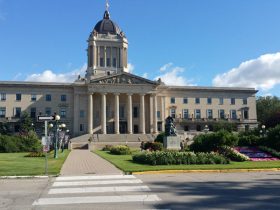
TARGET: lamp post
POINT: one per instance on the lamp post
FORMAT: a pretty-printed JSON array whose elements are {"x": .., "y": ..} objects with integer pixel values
[
  {"x": 57, "y": 118},
  {"x": 206, "y": 128},
  {"x": 262, "y": 131},
  {"x": 62, "y": 136}
]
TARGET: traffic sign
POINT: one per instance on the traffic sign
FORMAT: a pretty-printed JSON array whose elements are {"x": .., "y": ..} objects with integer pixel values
[{"x": 46, "y": 118}]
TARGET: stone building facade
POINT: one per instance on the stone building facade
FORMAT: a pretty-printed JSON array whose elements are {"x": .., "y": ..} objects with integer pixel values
[{"x": 110, "y": 100}]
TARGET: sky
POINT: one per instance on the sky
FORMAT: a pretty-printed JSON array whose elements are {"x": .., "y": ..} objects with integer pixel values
[{"x": 221, "y": 43}]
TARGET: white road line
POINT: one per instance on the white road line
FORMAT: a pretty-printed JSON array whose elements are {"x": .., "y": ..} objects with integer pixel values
[
  {"x": 99, "y": 189},
  {"x": 79, "y": 183},
  {"x": 96, "y": 199},
  {"x": 71, "y": 178}
]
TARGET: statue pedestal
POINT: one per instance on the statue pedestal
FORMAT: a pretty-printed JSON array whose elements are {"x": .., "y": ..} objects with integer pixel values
[{"x": 171, "y": 142}]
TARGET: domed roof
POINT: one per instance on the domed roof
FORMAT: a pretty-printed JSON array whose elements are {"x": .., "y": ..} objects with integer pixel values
[{"x": 106, "y": 26}]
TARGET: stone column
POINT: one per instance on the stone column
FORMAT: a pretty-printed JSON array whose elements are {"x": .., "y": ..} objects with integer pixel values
[
  {"x": 129, "y": 113},
  {"x": 155, "y": 114},
  {"x": 76, "y": 114},
  {"x": 103, "y": 113},
  {"x": 142, "y": 114},
  {"x": 117, "y": 114},
  {"x": 151, "y": 115},
  {"x": 163, "y": 112},
  {"x": 90, "y": 113}
]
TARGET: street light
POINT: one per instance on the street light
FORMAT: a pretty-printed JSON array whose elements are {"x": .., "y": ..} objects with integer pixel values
[
  {"x": 206, "y": 128},
  {"x": 262, "y": 131},
  {"x": 57, "y": 118},
  {"x": 62, "y": 136}
]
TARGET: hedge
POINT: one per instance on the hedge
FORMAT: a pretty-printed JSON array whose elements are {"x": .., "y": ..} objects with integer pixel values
[
  {"x": 120, "y": 150},
  {"x": 176, "y": 158},
  {"x": 273, "y": 152},
  {"x": 233, "y": 155}
]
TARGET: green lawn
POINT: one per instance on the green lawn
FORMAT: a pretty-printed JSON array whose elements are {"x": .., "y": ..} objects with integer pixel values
[
  {"x": 12, "y": 164},
  {"x": 124, "y": 162}
]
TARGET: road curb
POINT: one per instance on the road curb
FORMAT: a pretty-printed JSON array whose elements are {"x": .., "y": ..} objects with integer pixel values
[
  {"x": 206, "y": 171},
  {"x": 24, "y": 177}
]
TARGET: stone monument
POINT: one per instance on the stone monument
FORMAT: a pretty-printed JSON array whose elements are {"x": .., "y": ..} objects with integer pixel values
[{"x": 171, "y": 140}]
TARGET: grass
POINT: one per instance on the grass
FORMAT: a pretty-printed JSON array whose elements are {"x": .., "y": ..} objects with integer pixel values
[
  {"x": 15, "y": 164},
  {"x": 124, "y": 162}
]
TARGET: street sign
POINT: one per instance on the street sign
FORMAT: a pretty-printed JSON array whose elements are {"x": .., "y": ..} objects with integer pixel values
[{"x": 45, "y": 118}]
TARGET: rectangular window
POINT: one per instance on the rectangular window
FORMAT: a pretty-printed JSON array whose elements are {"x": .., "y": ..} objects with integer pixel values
[
  {"x": 2, "y": 112},
  {"x": 82, "y": 127},
  {"x": 172, "y": 100},
  {"x": 232, "y": 101},
  {"x": 173, "y": 113},
  {"x": 48, "y": 111},
  {"x": 245, "y": 101},
  {"x": 63, "y": 112},
  {"x": 135, "y": 112},
  {"x": 18, "y": 97},
  {"x": 102, "y": 62},
  {"x": 222, "y": 114},
  {"x": 33, "y": 97},
  {"x": 209, "y": 113},
  {"x": 245, "y": 114},
  {"x": 197, "y": 114},
  {"x": 221, "y": 101},
  {"x": 197, "y": 100},
  {"x": 82, "y": 113},
  {"x": 209, "y": 100},
  {"x": 185, "y": 113},
  {"x": 3, "y": 96},
  {"x": 63, "y": 97},
  {"x": 108, "y": 62},
  {"x": 233, "y": 114},
  {"x": 33, "y": 112},
  {"x": 17, "y": 112},
  {"x": 185, "y": 100},
  {"x": 48, "y": 97},
  {"x": 158, "y": 115}
]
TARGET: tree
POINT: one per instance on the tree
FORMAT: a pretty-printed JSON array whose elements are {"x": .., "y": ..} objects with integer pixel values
[
  {"x": 4, "y": 128},
  {"x": 25, "y": 123},
  {"x": 268, "y": 110}
]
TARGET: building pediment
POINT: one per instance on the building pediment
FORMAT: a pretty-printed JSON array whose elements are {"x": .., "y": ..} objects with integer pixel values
[{"x": 123, "y": 78}]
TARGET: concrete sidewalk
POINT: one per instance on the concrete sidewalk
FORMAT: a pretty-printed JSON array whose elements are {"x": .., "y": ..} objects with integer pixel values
[{"x": 84, "y": 162}]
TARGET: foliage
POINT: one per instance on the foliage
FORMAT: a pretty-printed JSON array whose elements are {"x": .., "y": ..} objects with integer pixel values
[
  {"x": 213, "y": 141},
  {"x": 176, "y": 158},
  {"x": 107, "y": 147},
  {"x": 225, "y": 125},
  {"x": 273, "y": 152},
  {"x": 273, "y": 138},
  {"x": 35, "y": 154},
  {"x": 268, "y": 110},
  {"x": 233, "y": 154},
  {"x": 153, "y": 146},
  {"x": 249, "y": 138},
  {"x": 25, "y": 123},
  {"x": 120, "y": 150},
  {"x": 4, "y": 128},
  {"x": 160, "y": 137},
  {"x": 28, "y": 142}
]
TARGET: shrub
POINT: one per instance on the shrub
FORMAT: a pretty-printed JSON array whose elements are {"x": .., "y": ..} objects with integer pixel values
[
  {"x": 273, "y": 138},
  {"x": 176, "y": 158},
  {"x": 226, "y": 126},
  {"x": 9, "y": 144},
  {"x": 120, "y": 150},
  {"x": 160, "y": 137},
  {"x": 35, "y": 154},
  {"x": 107, "y": 147},
  {"x": 233, "y": 155},
  {"x": 153, "y": 146},
  {"x": 273, "y": 152},
  {"x": 248, "y": 139},
  {"x": 213, "y": 141}
]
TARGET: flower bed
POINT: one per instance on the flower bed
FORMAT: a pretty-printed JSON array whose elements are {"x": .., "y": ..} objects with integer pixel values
[{"x": 255, "y": 154}]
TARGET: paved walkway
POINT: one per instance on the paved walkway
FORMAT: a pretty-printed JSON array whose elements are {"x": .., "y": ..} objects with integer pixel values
[{"x": 84, "y": 162}]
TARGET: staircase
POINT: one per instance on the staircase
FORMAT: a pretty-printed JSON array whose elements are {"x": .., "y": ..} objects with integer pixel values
[{"x": 100, "y": 140}]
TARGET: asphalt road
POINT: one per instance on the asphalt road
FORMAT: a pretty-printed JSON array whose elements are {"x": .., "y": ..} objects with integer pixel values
[{"x": 177, "y": 191}]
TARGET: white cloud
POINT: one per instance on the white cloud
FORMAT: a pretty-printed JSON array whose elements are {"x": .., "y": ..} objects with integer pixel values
[
  {"x": 145, "y": 75},
  {"x": 260, "y": 73},
  {"x": 50, "y": 76},
  {"x": 172, "y": 75},
  {"x": 130, "y": 68}
]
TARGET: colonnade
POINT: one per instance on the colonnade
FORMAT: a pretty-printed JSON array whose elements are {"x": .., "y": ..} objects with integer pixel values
[{"x": 142, "y": 121}]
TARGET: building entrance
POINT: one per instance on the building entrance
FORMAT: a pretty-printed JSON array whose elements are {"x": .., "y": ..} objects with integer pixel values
[{"x": 123, "y": 127}]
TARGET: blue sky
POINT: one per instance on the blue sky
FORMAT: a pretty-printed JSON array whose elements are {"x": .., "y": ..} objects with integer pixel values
[{"x": 185, "y": 42}]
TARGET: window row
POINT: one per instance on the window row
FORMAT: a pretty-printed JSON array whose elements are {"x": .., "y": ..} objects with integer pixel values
[
  {"x": 33, "y": 112},
  {"x": 208, "y": 100},
  {"x": 33, "y": 97},
  {"x": 209, "y": 114}
]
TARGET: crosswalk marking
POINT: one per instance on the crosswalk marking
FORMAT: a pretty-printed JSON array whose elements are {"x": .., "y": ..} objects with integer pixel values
[
  {"x": 97, "y": 199},
  {"x": 104, "y": 177},
  {"x": 99, "y": 189},
  {"x": 100, "y": 182}
]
